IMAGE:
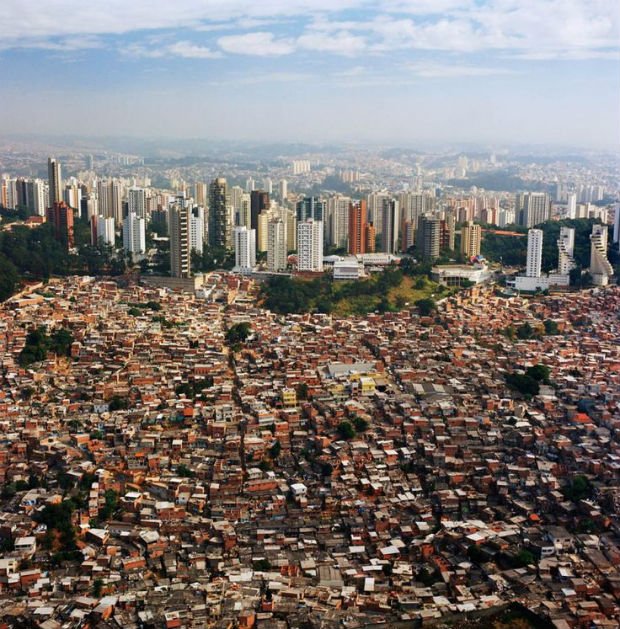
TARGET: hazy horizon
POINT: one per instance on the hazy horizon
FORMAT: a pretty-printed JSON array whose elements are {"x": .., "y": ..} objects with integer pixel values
[{"x": 393, "y": 72}]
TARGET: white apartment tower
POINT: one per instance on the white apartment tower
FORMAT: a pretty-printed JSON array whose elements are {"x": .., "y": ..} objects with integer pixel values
[
  {"x": 566, "y": 249},
  {"x": 310, "y": 245},
  {"x": 600, "y": 267},
  {"x": 134, "y": 234},
  {"x": 245, "y": 249},
  {"x": 534, "y": 253},
  {"x": 105, "y": 230},
  {"x": 276, "y": 245}
]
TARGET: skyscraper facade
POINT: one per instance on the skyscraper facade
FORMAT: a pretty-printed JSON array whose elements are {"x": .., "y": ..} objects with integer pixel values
[
  {"x": 276, "y": 245},
  {"x": 566, "y": 249},
  {"x": 54, "y": 179},
  {"x": 471, "y": 238},
  {"x": 310, "y": 245},
  {"x": 428, "y": 237},
  {"x": 534, "y": 253},
  {"x": 60, "y": 215},
  {"x": 600, "y": 267},
  {"x": 245, "y": 249},
  {"x": 390, "y": 221},
  {"x": 220, "y": 215},
  {"x": 134, "y": 234},
  {"x": 180, "y": 250},
  {"x": 357, "y": 227},
  {"x": 259, "y": 201},
  {"x": 310, "y": 207},
  {"x": 533, "y": 208}
]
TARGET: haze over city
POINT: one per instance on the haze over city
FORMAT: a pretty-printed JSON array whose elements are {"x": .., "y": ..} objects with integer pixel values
[{"x": 394, "y": 71}]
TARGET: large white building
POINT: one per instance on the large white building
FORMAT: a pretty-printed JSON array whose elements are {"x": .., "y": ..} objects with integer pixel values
[
  {"x": 534, "y": 253},
  {"x": 134, "y": 234},
  {"x": 389, "y": 225},
  {"x": 310, "y": 245},
  {"x": 600, "y": 267},
  {"x": 196, "y": 232},
  {"x": 105, "y": 230},
  {"x": 337, "y": 220},
  {"x": 54, "y": 178},
  {"x": 616, "y": 235},
  {"x": 180, "y": 251},
  {"x": 245, "y": 249},
  {"x": 276, "y": 245},
  {"x": 566, "y": 250}
]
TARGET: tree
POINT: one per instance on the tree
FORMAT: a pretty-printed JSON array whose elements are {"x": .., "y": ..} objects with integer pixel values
[
  {"x": 302, "y": 391},
  {"x": 238, "y": 333},
  {"x": 275, "y": 450},
  {"x": 9, "y": 278},
  {"x": 525, "y": 558},
  {"x": 361, "y": 425},
  {"x": 540, "y": 373},
  {"x": 426, "y": 306},
  {"x": 523, "y": 383},
  {"x": 345, "y": 430},
  {"x": 97, "y": 587},
  {"x": 551, "y": 327}
]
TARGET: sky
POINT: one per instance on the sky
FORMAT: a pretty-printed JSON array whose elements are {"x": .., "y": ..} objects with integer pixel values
[{"x": 384, "y": 71}]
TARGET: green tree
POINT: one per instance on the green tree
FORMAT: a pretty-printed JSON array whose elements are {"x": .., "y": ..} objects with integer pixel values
[
  {"x": 426, "y": 306},
  {"x": 9, "y": 278},
  {"x": 238, "y": 333},
  {"x": 345, "y": 430},
  {"x": 361, "y": 425},
  {"x": 540, "y": 373},
  {"x": 275, "y": 450},
  {"x": 551, "y": 327}
]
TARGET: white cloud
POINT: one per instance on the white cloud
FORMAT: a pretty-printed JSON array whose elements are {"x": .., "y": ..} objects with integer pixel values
[
  {"x": 530, "y": 29},
  {"x": 191, "y": 51},
  {"x": 340, "y": 42},
  {"x": 261, "y": 43}
]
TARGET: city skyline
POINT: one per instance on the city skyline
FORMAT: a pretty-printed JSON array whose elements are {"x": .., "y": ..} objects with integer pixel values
[{"x": 397, "y": 72}]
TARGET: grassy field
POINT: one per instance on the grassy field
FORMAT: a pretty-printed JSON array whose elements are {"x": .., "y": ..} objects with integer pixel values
[{"x": 409, "y": 291}]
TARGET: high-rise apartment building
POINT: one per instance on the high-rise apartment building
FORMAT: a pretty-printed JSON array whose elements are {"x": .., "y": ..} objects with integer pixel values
[
  {"x": 533, "y": 208},
  {"x": 136, "y": 202},
  {"x": 54, "y": 179},
  {"x": 220, "y": 215},
  {"x": 447, "y": 232},
  {"x": 60, "y": 215},
  {"x": 276, "y": 245},
  {"x": 180, "y": 250},
  {"x": 357, "y": 227},
  {"x": 600, "y": 267},
  {"x": 374, "y": 205},
  {"x": 471, "y": 238},
  {"x": 196, "y": 230},
  {"x": 566, "y": 250},
  {"x": 103, "y": 231},
  {"x": 534, "y": 253},
  {"x": 310, "y": 207},
  {"x": 200, "y": 193},
  {"x": 134, "y": 234},
  {"x": 390, "y": 221},
  {"x": 428, "y": 237},
  {"x": 245, "y": 249},
  {"x": 337, "y": 220},
  {"x": 259, "y": 202},
  {"x": 283, "y": 190},
  {"x": 310, "y": 245}
]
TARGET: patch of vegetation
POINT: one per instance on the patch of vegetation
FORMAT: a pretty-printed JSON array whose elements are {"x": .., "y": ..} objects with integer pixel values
[
  {"x": 238, "y": 333},
  {"x": 286, "y": 295},
  {"x": 39, "y": 344}
]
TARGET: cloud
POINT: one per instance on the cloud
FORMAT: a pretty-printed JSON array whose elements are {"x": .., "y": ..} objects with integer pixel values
[
  {"x": 261, "y": 43},
  {"x": 191, "y": 51},
  {"x": 529, "y": 29},
  {"x": 340, "y": 42}
]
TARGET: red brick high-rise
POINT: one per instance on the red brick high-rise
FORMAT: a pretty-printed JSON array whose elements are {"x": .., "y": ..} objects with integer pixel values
[
  {"x": 357, "y": 227},
  {"x": 60, "y": 215}
]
